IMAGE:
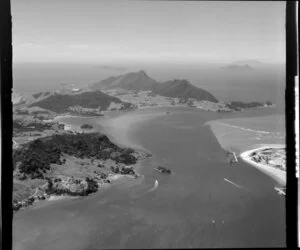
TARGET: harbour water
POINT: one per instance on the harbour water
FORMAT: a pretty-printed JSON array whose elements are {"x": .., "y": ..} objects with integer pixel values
[{"x": 192, "y": 207}]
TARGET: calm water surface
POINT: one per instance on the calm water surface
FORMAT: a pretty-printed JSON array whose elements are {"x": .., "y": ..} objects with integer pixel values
[{"x": 193, "y": 207}]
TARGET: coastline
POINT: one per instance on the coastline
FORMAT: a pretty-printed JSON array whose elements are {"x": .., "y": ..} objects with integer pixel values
[
  {"x": 116, "y": 125},
  {"x": 114, "y": 179},
  {"x": 276, "y": 174},
  {"x": 244, "y": 141},
  {"x": 117, "y": 128}
]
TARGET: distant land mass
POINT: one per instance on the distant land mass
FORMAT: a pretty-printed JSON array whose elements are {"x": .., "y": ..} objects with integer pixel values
[
  {"x": 140, "y": 81},
  {"x": 238, "y": 68},
  {"x": 131, "y": 81},
  {"x": 249, "y": 62},
  {"x": 129, "y": 91},
  {"x": 110, "y": 67}
]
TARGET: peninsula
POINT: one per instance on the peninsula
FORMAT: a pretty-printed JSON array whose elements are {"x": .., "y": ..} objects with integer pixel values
[
  {"x": 126, "y": 92},
  {"x": 72, "y": 164},
  {"x": 271, "y": 159}
]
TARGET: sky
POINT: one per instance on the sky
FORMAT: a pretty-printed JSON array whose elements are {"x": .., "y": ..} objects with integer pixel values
[{"x": 147, "y": 31}]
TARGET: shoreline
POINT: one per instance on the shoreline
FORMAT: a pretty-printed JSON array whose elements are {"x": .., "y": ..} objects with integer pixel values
[
  {"x": 244, "y": 149},
  {"x": 117, "y": 129},
  {"x": 276, "y": 174},
  {"x": 117, "y": 126}
]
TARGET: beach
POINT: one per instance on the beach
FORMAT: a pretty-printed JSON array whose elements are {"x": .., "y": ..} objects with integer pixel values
[
  {"x": 277, "y": 174},
  {"x": 248, "y": 135}
]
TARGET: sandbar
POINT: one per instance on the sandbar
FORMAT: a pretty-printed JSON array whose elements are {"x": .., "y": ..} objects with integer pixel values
[{"x": 119, "y": 128}]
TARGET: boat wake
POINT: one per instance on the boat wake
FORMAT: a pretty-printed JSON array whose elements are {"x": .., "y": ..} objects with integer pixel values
[
  {"x": 154, "y": 187},
  {"x": 234, "y": 184}
]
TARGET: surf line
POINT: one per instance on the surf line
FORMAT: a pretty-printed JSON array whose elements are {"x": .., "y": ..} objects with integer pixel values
[{"x": 233, "y": 183}]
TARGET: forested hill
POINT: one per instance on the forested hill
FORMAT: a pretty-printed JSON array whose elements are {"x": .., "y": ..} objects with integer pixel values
[{"x": 62, "y": 102}]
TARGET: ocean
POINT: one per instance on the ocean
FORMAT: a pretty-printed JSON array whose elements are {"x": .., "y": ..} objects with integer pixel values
[{"x": 194, "y": 207}]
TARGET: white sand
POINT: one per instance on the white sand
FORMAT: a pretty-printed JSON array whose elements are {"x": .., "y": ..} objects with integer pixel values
[
  {"x": 277, "y": 174},
  {"x": 57, "y": 197}
]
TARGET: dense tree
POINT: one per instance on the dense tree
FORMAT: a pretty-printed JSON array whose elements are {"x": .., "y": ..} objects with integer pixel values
[
  {"x": 36, "y": 156},
  {"x": 243, "y": 105}
]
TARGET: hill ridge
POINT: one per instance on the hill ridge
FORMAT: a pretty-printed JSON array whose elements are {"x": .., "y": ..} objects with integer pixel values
[{"x": 139, "y": 80}]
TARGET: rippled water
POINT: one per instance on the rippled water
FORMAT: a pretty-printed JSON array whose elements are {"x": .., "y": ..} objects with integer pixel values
[{"x": 192, "y": 207}]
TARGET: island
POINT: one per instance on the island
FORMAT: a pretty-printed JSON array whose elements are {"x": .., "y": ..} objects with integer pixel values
[
  {"x": 86, "y": 126},
  {"x": 238, "y": 68},
  {"x": 239, "y": 106},
  {"x": 163, "y": 170}
]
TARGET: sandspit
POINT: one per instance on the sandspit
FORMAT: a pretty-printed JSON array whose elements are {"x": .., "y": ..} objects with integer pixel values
[{"x": 277, "y": 174}]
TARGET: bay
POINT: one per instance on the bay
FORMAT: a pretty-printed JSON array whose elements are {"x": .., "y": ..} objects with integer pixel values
[{"x": 192, "y": 207}]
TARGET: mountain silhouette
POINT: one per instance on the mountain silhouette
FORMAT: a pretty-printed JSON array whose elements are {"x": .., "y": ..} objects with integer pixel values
[
  {"x": 238, "y": 68},
  {"x": 137, "y": 81}
]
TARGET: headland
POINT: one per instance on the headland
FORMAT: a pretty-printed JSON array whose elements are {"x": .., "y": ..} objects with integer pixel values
[{"x": 71, "y": 162}]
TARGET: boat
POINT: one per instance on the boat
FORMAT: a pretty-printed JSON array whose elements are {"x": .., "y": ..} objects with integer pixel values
[
  {"x": 232, "y": 157},
  {"x": 154, "y": 187},
  {"x": 163, "y": 170},
  {"x": 236, "y": 160},
  {"x": 281, "y": 191}
]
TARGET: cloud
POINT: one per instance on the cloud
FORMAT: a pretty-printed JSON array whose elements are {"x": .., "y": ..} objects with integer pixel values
[
  {"x": 25, "y": 45},
  {"x": 31, "y": 46},
  {"x": 79, "y": 46},
  {"x": 99, "y": 47}
]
